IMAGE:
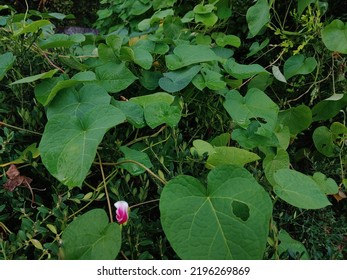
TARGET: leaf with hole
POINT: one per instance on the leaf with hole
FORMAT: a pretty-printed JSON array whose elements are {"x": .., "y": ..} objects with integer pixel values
[
  {"x": 91, "y": 237},
  {"x": 227, "y": 219},
  {"x": 256, "y": 107}
]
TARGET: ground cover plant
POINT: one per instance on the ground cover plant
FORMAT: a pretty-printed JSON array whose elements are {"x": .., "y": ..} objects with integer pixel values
[{"x": 173, "y": 130}]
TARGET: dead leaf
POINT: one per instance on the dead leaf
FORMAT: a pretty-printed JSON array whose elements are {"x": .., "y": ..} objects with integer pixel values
[
  {"x": 340, "y": 195},
  {"x": 15, "y": 180}
]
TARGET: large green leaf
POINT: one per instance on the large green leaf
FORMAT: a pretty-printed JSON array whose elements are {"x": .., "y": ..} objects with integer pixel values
[
  {"x": 298, "y": 64},
  {"x": 178, "y": 80},
  {"x": 227, "y": 219},
  {"x": 140, "y": 56},
  {"x": 243, "y": 71},
  {"x": 6, "y": 62},
  {"x": 71, "y": 101},
  {"x": 91, "y": 237},
  {"x": 296, "y": 118},
  {"x": 299, "y": 189},
  {"x": 114, "y": 77},
  {"x": 258, "y": 16},
  {"x": 69, "y": 142},
  {"x": 334, "y": 36},
  {"x": 256, "y": 107},
  {"x": 184, "y": 55}
]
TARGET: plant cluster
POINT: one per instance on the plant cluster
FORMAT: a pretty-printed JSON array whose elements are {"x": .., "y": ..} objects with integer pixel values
[{"x": 180, "y": 130}]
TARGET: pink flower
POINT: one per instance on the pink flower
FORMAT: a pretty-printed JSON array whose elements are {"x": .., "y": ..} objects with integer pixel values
[{"x": 122, "y": 212}]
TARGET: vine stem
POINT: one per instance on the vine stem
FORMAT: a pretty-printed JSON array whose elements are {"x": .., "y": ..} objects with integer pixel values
[
  {"x": 105, "y": 186},
  {"x": 19, "y": 128},
  {"x": 145, "y": 202},
  {"x": 163, "y": 181}
]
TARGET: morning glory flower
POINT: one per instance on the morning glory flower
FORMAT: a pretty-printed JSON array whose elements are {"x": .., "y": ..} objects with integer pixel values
[{"x": 122, "y": 212}]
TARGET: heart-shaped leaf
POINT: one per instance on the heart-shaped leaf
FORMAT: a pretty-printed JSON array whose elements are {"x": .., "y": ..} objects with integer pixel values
[
  {"x": 69, "y": 142},
  {"x": 114, "y": 77},
  {"x": 184, "y": 55},
  {"x": 298, "y": 64},
  {"x": 228, "y": 219},
  {"x": 243, "y": 71},
  {"x": 177, "y": 80},
  {"x": 258, "y": 16},
  {"x": 299, "y": 189},
  {"x": 91, "y": 237},
  {"x": 334, "y": 36},
  {"x": 256, "y": 107},
  {"x": 296, "y": 118},
  {"x": 138, "y": 156}
]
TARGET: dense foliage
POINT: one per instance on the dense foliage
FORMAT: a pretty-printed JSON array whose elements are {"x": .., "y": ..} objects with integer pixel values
[{"x": 221, "y": 123}]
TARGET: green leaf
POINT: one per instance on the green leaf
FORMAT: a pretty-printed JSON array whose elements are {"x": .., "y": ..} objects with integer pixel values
[
  {"x": 202, "y": 147},
  {"x": 184, "y": 55},
  {"x": 178, "y": 80},
  {"x": 160, "y": 112},
  {"x": 258, "y": 16},
  {"x": 249, "y": 139},
  {"x": 303, "y": 4},
  {"x": 296, "y": 118},
  {"x": 273, "y": 162},
  {"x": 131, "y": 154},
  {"x": 73, "y": 102},
  {"x": 230, "y": 155},
  {"x": 208, "y": 20},
  {"x": 327, "y": 109},
  {"x": 293, "y": 247},
  {"x": 255, "y": 107},
  {"x": 243, "y": 71},
  {"x": 323, "y": 140},
  {"x": 61, "y": 41},
  {"x": 334, "y": 36},
  {"x": 140, "y": 56},
  {"x": 159, "y": 108},
  {"x": 255, "y": 47},
  {"x": 48, "y": 89},
  {"x": 203, "y": 9},
  {"x": 132, "y": 111},
  {"x": 114, "y": 77},
  {"x": 150, "y": 79},
  {"x": 29, "y": 153},
  {"x": 210, "y": 79},
  {"x": 91, "y": 237},
  {"x": 32, "y": 27},
  {"x": 69, "y": 142},
  {"x": 221, "y": 140},
  {"x": 146, "y": 100},
  {"x": 34, "y": 78},
  {"x": 212, "y": 222},
  {"x": 299, "y": 190},
  {"x": 327, "y": 185},
  {"x": 223, "y": 40},
  {"x": 298, "y": 64},
  {"x": 6, "y": 62},
  {"x": 261, "y": 81}
]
